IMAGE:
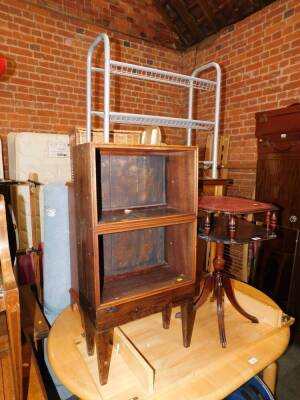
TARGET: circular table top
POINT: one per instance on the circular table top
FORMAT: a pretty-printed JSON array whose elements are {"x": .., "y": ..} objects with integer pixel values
[
  {"x": 232, "y": 205},
  {"x": 204, "y": 371}
]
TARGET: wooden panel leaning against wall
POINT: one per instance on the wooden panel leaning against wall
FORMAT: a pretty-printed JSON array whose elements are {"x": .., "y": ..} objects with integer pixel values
[{"x": 10, "y": 358}]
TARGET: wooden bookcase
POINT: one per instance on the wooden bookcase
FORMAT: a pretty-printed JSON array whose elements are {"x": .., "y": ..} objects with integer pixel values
[{"x": 136, "y": 218}]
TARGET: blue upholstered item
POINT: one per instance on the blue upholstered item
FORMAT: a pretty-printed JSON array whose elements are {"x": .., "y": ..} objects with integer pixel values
[
  {"x": 56, "y": 260},
  {"x": 255, "y": 389}
]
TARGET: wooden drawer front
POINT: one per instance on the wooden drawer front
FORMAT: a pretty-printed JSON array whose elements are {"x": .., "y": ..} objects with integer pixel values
[
  {"x": 278, "y": 122},
  {"x": 279, "y": 147},
  {"x": 113, "y": 316}
]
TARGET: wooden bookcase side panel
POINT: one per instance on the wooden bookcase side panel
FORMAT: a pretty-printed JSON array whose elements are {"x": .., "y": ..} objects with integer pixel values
[
  {"x": 182, "y": 181},
  {"x": 85, "y": 204},
  {"x": 180, "y": 247}
]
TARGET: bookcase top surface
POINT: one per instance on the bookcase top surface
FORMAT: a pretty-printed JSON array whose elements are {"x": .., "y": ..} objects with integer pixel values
[{"x": 166, "y": 148}]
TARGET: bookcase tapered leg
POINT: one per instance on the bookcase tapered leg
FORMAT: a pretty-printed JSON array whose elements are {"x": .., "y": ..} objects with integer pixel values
[
  {"x": 188, "y": 318},
  {"x": 104, "y": 349},
  {"x": 89, "y": 331},
  {"x": 166, "y": 316}
]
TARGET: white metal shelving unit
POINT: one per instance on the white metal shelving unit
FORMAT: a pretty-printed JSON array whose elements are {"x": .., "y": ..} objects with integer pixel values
[{"x": 165, "y": 77}]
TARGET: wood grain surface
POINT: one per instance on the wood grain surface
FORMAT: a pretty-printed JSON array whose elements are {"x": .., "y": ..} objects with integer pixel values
[{"x": 204, "y": 371}]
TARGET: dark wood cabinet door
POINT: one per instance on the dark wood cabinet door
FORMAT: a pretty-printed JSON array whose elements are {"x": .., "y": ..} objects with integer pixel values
[
  {"x": 276, "y": 270},
  {"x": 278, "y": 182}
]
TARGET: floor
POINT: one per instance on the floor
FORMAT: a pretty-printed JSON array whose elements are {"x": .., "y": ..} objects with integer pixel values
[{"x": 288, "y": 384}]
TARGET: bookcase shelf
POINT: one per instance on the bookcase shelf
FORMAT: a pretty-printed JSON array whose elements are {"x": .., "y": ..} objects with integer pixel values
[
  {"x": 152, "y": 280},
  {"x": 122, "y": 220}
]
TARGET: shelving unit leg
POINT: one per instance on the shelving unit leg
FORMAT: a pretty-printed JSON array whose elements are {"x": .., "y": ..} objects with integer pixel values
[
  {"x": 188, "y": 318},
  {"x": 89, "y": 331},
  {"x": 166, "y": 316},
  {"x": 104, "y": 344}
]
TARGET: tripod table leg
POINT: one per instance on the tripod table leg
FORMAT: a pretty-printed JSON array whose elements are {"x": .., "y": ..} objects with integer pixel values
[
  {"x": 207, "y": 288},
  {"x": 231, "y": 297},
  {"x": 220, "y": 309}
]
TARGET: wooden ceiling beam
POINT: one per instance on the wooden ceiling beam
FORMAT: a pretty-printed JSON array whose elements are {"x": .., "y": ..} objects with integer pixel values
[
  {"x": 194, "y": 20},
  {"x": 209, "y": 15},
  {"x": 170, "y": 23},
  {"x": 189, "y": 21}
]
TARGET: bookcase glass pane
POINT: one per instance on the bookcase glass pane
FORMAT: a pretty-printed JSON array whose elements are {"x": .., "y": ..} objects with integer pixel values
[
  {"x": 130, "y": 251},
  {"x": 130, "y": 181},
  {"x": 136, "y": 261}
]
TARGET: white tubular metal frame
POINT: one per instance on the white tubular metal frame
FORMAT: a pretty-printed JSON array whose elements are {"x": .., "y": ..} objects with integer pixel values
[
  {"x": 102, "y": 37},
  {"x": 146, "y": 73},
  {"x": 206, "y": 67}
]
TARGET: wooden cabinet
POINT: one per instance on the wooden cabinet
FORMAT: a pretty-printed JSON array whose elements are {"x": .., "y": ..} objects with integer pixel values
[
  {"x": 136, "y": 212},
  {"x": 278, "y": 182}
]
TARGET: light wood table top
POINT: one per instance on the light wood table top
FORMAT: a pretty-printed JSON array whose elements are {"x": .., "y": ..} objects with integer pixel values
[{"x": 205, "y": 371}]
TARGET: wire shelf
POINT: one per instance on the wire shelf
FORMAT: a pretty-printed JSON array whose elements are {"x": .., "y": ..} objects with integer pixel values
[
  {"x": 138, "y": 119},
  {"x": 111, "y": 67},
  {"x": 156, "y": 75}
]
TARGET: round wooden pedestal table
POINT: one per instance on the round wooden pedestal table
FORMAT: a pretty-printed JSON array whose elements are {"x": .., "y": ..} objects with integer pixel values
[
  {"x": 224, "y": 224},
  {"x": 149, "y": 362}
]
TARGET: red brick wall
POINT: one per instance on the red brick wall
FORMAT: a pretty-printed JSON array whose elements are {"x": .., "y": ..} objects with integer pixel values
[
  {"x": 138, "y": 18},
  {"x": 260, "y": 60},
  {"x": 44, "y": 89},
  {"x": 46, "y": 44}
]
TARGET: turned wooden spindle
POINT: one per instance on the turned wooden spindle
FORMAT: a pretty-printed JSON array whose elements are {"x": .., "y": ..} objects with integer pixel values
[
  {"x": 268, "y": 219},
  {"x": 232, "y": 227},
  {"x": 219, "y": 260},
  {"x": 207, "y": 225},
  {"x": 273, "y": 222}
]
